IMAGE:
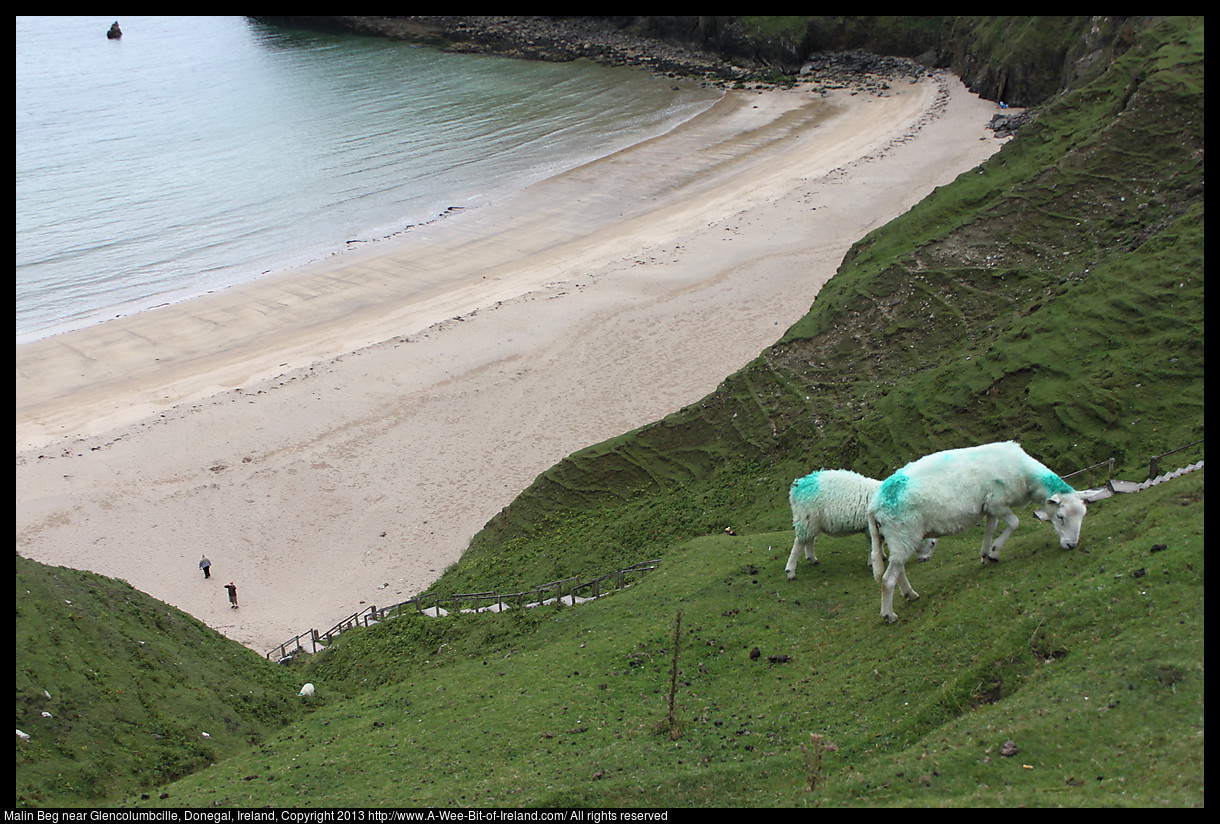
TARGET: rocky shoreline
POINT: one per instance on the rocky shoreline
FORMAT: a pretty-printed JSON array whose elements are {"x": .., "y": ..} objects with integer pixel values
[{"x": 617, "y": 41}]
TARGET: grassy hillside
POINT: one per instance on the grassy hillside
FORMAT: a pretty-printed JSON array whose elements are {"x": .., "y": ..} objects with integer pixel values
[
  {"x": 1091, "y": 664},
  {"x": 130, "y": 685},
  {"x": 1054, "y": 295}
]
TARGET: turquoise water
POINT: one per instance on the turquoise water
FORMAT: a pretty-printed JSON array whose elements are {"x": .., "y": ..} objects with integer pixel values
[{"x": 196, "y": 153}]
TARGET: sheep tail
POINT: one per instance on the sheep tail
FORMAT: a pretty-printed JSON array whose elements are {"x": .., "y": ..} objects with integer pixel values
[{"x": 874, "y": 555}]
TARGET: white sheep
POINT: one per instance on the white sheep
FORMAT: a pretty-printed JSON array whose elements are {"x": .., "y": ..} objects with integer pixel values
[
  {"x": 24, "y": 736},
  {"x": 834, "y": 502},
  {"x": 948, "y": 492},
  {"x": 306, "y": 691}
]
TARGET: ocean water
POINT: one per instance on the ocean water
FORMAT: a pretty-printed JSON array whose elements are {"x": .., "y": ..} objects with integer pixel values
[{"x": 200, "y": 152}]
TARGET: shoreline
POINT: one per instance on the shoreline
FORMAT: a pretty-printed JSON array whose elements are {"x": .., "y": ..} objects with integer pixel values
[
  {"x": 333, "y": 437},
  {"x": 399, "y": 284},
  {"x": 408, "y": 180}
]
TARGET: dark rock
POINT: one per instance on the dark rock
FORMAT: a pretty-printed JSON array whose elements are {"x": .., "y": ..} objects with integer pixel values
[
  {"x": 693, "y": 47},
  {"x": 1006, "y": 124}
]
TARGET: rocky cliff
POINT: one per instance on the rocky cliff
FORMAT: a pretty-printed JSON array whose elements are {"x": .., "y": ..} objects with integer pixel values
[{"x": 1019, "y": 59}]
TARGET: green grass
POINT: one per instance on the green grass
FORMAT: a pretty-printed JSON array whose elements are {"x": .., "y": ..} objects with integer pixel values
[
  {"x": 131, "y": 684},
  {"x": 1090, "y": 663},
  {"x": 1053, "y": 295}
]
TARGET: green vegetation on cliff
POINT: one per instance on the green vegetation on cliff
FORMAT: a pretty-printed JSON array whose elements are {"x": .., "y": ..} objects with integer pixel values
[{"x": 116, "y": 690}]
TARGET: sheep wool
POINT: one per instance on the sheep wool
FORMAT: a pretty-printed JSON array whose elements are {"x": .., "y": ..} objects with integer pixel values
[{"x": 834, "y": 502}]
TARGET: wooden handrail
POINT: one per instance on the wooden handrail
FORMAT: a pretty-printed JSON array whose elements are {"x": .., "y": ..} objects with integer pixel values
[{"x": 540, "y": 594}]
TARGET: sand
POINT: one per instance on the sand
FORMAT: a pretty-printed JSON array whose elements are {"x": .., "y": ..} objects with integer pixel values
[{"x": 332, "y": 437}]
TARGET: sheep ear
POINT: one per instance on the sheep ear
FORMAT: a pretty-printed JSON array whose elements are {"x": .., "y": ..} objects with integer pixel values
[
  {"x": 1055, "y": 499},
  {"x": 1041, "y": 516}
]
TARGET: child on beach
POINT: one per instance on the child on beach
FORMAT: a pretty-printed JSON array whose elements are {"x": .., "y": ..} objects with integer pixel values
[{"x": 232, "y": 594}]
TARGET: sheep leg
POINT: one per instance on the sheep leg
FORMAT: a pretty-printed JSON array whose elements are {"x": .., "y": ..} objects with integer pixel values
[
  {"x": 896, "y": 574},
  {"x": 799, "y": 545},
  {"x": 887, "y": 602},
  {"x": 1011, "y": 520},
  {"x": 989, "y": 553},
  {"x": 907, "y": 591}
]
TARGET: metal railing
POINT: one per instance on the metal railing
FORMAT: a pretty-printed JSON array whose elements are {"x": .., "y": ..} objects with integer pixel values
[{"x": 1153, "y": 467}]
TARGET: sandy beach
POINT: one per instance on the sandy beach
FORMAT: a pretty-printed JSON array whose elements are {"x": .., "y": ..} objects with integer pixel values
[{"x": 332, "y": 437}]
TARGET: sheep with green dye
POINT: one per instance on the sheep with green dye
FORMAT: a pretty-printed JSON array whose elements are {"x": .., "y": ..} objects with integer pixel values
[
  {"x": 834, "y": 502},
  {"x": 951, "y": 491}
]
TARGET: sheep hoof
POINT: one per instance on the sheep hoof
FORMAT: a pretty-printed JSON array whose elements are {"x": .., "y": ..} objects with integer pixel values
[
  {"x": 791, "y": 576},
  {"x": 911, "y": 596},
  {"x": 891, "y": 618}
]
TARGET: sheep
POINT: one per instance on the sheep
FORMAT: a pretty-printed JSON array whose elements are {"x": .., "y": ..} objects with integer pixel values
[
  {"x": 833, "y": 501},
  {"x": 948, "y": 492},
  {"x": 306, "y": 691},
  {"x": 24, "y": 736}
]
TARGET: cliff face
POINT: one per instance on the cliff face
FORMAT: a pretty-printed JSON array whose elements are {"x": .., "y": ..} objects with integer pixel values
[
  {"x": 1021, "y": 60},
  {"x": 1026, "y": 60}
]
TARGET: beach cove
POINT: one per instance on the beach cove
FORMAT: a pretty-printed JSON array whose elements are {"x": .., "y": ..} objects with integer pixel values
[{"x": 331, "y": 437}]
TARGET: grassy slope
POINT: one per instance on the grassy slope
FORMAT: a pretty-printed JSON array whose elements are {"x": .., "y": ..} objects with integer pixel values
[
  {"x": 1055, "y": 295},
  {"x": 130, "y": 684},
  {"x": 1090, "y": 663}
]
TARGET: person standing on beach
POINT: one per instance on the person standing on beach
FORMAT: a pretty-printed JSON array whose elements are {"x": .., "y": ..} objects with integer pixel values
[
  {"x": 206, "y": 566},
  {"x": 232, "y": 588}
]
